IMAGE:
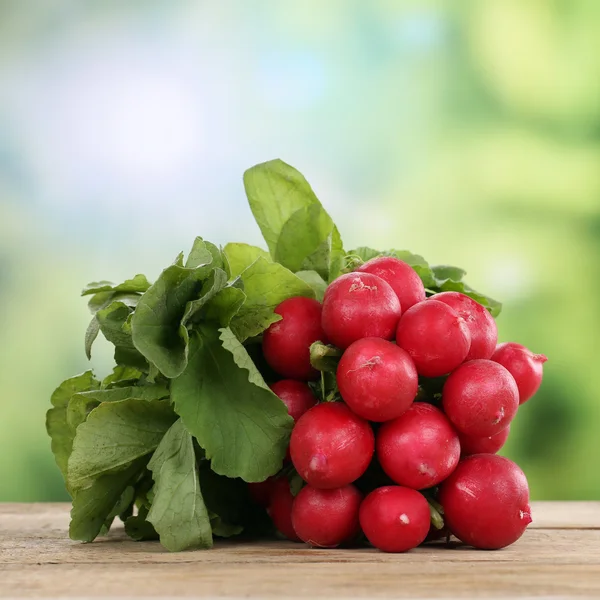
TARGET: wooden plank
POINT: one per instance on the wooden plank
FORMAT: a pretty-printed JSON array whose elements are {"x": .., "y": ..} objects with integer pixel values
[
  {"x": 566, "y": 515},
  {"x": 38, "y": 560},
  {"x": 546, "y": 515}
]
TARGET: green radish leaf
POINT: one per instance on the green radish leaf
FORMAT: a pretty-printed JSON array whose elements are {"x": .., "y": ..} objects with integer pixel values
[
  {"x": 298, "y": 231},
  {"x": 226, "y": 498},
  {"x": 112, "y": 321},
  {"x": 224, "y": 306},
  {"x": 324, "y": 357},
  {"x": 266, "y": 285},
  {"x": 328, "y": 258},
  {"x": 123, "y": 505},
  {"x": 316, "y": 282},
  {"x": 365, "y": 253},
  {"x": 80, "y": 383},
  {"x": 115, "y": 324},
  {"x": 90, "y": 336},
  {"x": 222, "y": 529},
  {"x": 445, "y": 272},
  {"x": 296, "y": 483},
  {"x": 138, "y": 528},
  {"x": 81, "y": 404},
  {"x": 99, "y": 302},
  {"x": 56, "y": 418},
  {"x": 178, "y": 512},
  {"x": 103, "y": 299},
  {"x": 121, "y": 376},
  {"x": 218, "y": 258},
  {"x": 138, "y": 285},
  {"x": 224, "y": 402},
  {"x": 215, "y": 282},
  {"x": 129, "y": 357},
  {"x": 336, "y": 254},
  {"x": 156, "y": 323},
  {"x": 241, "y": 256},
  {"x": 450, "y": 279},
  {"x": 94, "y": 505},
  {"x": 201, "y": 255},
  {"x": 114, "y": 435}
]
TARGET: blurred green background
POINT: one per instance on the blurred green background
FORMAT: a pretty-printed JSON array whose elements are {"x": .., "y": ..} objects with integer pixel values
[{"x": 467, "y": 132}]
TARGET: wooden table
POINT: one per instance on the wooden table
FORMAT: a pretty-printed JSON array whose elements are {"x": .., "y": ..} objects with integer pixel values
[{"x": 559, "y": 556}]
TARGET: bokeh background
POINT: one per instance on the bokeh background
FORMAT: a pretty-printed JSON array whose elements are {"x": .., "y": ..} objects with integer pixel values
[{"x": 467, "y": 132}]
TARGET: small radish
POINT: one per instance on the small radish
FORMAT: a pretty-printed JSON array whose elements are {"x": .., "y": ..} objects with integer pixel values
[
  {"x": 483, "y": 445},
  {"x": 435, "y": 336},
  {"x": 286, "y": 343},
  {"x": 481, "y": 324},
  {"x": 296, "y": 396},
  {"x": 261, "y": 492},
  {"x": 480, "y": 398},
  {"x": 400, "y": 275},
  {"x": 376, "y": 379},
  {"x": 419, "y": 449},
  {"x": 326, "y": 518},
  {"x": 525, "y": 366},
  {"x": 331, "y": 446},
  {"x": 394, "y": 518},
  {"x": 486, "y": 501},
  {"x": 280, "y": 508},
  {"x": 359, "y": 305}
]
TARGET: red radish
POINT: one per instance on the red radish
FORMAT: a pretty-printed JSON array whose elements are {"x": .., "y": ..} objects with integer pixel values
[
  {"x": 419, "y": 449},
  {"x": 400, "y": 275},
  {"x": 486, "y": 501},
  {"x": 331, "y": 446},
  {"x": 481, "y": 324},
  {"x": 280, "y": 508},
  {"x": 480, "y": 398},
  {"x": 376, "y": 379},
  {"x": 359, "y": 305},
  {"x": 435, "y": 336},
  {"x": 483, "y": 445},
  {"x": 286, "y": 343},
  {"x": 326, "y": 518},
  {"x": 394, "y": 518},
  {"x": 296, "y": 396},
  {"x": 261, "y": 492},
  {"x": 525, "y": 366}
]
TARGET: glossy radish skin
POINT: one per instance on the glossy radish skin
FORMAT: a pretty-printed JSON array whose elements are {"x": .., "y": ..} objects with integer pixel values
[
  {"x": 525, "y": 366},
  {"x": 280, "y": 508},
  {"x": 435, "y": 336},
  {"x": 480, "y": 398},
  {"x": 394, "y": 518},
  {"x": 481, "y": 324},
  {"x": 359, "y": 305},
  {"x": 296, "y": 396},
  {"x": 261, "y": 492},
  {"x": 377, "y": 379},
  {"x": 286, "y": 343},
  {"x": 486, "y": 501},
  {"x": 419, "y": 449},
  {"x": 402, "y": 278},
  {"x": 331, "y": 446},
  {"x": 482, "y": 445},
  {"x": 326, "y": 518}
]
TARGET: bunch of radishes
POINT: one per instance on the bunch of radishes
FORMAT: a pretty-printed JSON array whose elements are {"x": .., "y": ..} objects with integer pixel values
[{"x": 403, "y": 447}]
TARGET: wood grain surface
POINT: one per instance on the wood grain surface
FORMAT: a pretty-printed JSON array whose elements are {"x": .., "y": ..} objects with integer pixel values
[{"x": 558, "y": 557}]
